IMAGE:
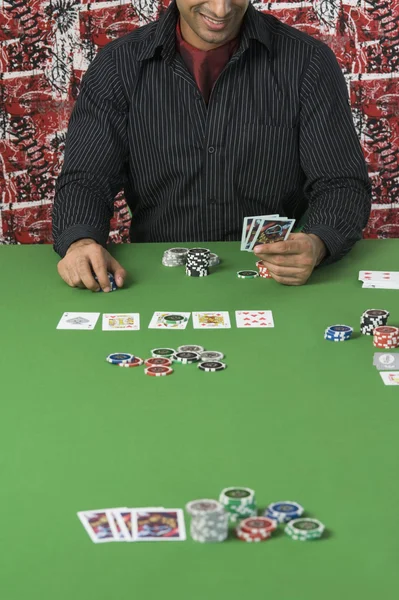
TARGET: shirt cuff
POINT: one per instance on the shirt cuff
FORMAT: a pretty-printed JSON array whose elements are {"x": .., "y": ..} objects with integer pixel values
[
  {"x": 335, "y": 243},
  {"x": 75, "y": 233}
]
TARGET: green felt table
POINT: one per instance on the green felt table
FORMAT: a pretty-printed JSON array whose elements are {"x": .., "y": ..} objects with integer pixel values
[{"x": 293, "y": 416}]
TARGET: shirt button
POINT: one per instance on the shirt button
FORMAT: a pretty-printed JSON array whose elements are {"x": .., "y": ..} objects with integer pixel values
[{"x": 211, "y": 149}]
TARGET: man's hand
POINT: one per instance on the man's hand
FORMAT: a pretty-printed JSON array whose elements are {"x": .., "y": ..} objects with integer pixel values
[
  {"x": 292, "y": 262},
  {"x": 85, "y": 257}
]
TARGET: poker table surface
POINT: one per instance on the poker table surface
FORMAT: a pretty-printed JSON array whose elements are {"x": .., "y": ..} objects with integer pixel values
[{"x": 293, "y": 416}]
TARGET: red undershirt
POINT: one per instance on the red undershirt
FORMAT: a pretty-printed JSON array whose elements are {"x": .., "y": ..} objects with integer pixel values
[{"x": 205, "y": 65}]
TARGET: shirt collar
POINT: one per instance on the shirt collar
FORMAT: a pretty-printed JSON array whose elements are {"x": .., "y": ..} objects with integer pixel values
[{"x": 254, "y": 27}]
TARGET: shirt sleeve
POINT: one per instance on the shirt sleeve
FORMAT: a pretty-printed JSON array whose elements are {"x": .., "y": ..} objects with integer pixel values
[
  {"x": 337, "y": 185},
  {"x": 96, "y": 154}
]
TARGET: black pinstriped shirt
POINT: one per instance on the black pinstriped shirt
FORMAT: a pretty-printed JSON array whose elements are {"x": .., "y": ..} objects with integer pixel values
[{"x": 277, "y": 136}]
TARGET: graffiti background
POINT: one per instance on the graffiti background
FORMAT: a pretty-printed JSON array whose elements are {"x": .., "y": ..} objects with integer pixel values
[{"x": 47, "y": 45}]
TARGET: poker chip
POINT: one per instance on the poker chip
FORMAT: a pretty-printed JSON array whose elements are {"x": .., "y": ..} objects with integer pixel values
[
  {"x": 158, "y": 361},
  {"x": 258, "y": 525},
  {"x": 175, "y": 257},
  {"x": 244, "y": 536},
  {"x": 210, "y": 366},
  {"x": 211, "y": 355},
  {"x": 338, "y": 333},
  {"x": 386, "y": 337},
  {"x": 284, "y": 511},
  {"x": 372, "y": 318},
  {"x": 186, "y": 357},
  {"x": 263, "y": 271},
  {"x": 209, "y": 520},
  {"x": 197, "y": 262},
  {"x": 119, "y": 357},
  {"x": 163, "y": 352},
  {"x": 214, "y": 260},
  {"x": 136, "y": 362},
  {"x": 158, "y": 371},
  {"x": 112, "y": 282},
  {"x": 247, "y": 274},
  {"x": 239, "y": 502},
  {"x": 171, "y": 319},
  {"x": 305, "y": 529},
  {"x": 197, "y": 349}
]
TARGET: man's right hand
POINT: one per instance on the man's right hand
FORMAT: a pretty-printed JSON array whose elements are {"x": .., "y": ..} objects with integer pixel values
[{"x": 85, "y": 257}]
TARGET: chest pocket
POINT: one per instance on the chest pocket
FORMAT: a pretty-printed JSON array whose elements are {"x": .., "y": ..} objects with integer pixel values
[{"x": 266, "y": 159}]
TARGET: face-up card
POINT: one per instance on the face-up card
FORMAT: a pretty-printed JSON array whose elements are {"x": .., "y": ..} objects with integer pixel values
[
  {"x": 123, "y": 520},
  {"x": 121, "y": 322},
  {"x": 74, "y": 320},
  {"x": 381, "y": 285},
  {"x": 247, "y": 226},
  {"x": 272, "y": 230},
  {"x": 390, "y": 377},
  {"x": 387, "y": 361},
  {"x": 256, "y": 223},
  {"x": 158, "y": 525},
  {"x": 378, "y": 275},
  {"x": 100, "y": 525},
  {"x": 157, "y": 321},
  {"x": 211, "y": 320},
  {"x": 254, "y": 318}
]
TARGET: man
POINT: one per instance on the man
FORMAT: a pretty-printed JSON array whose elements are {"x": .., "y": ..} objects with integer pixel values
[{"x": 215, "y": 112}]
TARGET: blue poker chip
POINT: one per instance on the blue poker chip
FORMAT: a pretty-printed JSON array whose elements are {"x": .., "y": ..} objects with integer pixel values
[
  {"x": 120, "y": 358},
  {"x": 340, "y": 329},
  {"x": 333, "y": 339},
  {"x": 284, "y": 511}
]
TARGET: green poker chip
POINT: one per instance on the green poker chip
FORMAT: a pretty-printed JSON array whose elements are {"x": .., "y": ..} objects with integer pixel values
[
  {"x": 247, "y": 274},
  {"x": 162, "y": 352},
  {"x": 174, "y": 319}
]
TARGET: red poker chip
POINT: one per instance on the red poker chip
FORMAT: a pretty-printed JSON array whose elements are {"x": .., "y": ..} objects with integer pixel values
[
  {"x": 136, "y": 362},
  {"x": 258, "y": 525},
  {"x": 158, "y": 371},
  {"x": 386, "y": 330},
  {"x": 247, "y": 537},
  {"x": 158, "y": 362}
]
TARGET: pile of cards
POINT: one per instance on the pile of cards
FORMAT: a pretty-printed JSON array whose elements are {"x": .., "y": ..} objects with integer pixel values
[
  {"x": 380, "y": 279},
  {"x": 147, "y": 524},
  {"x": 264, "y": 229},
  {"x": 388, "y": 364}
]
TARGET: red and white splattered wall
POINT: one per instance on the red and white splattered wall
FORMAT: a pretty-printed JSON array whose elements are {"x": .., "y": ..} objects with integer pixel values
[{"x": 47, "y": 45}]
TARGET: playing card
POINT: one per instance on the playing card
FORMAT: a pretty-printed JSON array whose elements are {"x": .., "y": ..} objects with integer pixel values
[
  {"x": 123, "y": 522},
  {"x": 247, "y": 226},
  {"x": 390, "y": 377},
  {"x": 100, "y": 525},
  {"x": 256, "y": 223},
  {"x": 381, "y": 285},
  {"x": 121, "y": 322},
  {"x": 74, "y": 320},
  {"x": 378, "y": 275},
  {"x": 153, "y": 525},
  {"x": 254, "y": 318},
  {"x": 388, "y": 361},
  {"x": 211, "y": 320},
  {"x": 158, "y": 323},
  {"x": 272, "y": 230}
]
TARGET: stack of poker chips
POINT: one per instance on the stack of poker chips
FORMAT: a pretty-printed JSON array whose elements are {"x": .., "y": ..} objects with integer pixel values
[
  {"x": 238, "y": 502},
  {"x": 255, "y": 529},
  {"x": 372, "y": 318},
  {"x": 386, "y": 337},
  {"x": 197, "y": 262},
  {"x": 284, "y": 511},
  {"x": 338, "y": 333},
  {"x": 263, "y": 271},
  {"x": 175, "y": 257},
  {"x": 209, "y": 521},
  {"x": 305, "y": 529}
]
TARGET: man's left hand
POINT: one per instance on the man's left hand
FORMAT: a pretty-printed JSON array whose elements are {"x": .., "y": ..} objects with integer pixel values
[{"x": 291, "y": 262}]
